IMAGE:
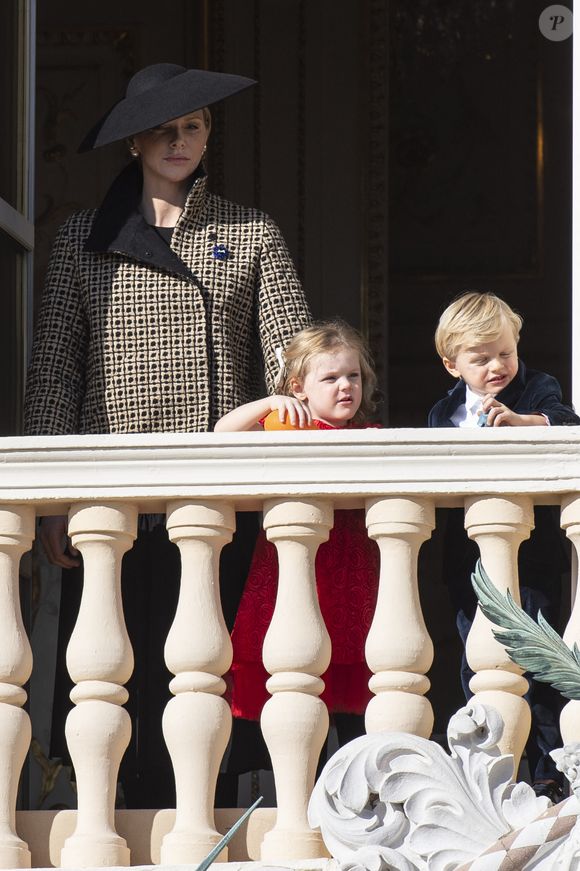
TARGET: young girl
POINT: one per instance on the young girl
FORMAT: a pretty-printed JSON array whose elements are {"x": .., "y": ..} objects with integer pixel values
[{"x": 327, "y": 383}]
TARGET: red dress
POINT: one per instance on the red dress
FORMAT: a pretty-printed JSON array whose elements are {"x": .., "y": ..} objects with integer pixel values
[{"x": 347, "y": 572}]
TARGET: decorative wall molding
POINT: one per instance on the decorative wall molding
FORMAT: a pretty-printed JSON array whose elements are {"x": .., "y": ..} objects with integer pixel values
[
  {"x": 396, "y": 802},
  {"x": 374, "y": 272}
]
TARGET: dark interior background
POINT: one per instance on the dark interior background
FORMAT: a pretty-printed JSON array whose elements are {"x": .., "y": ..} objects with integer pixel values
[{"x": 409, "y": 149}]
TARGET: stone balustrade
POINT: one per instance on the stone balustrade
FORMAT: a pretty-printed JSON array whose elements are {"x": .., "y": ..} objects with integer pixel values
[{"x": 398, "y": 476}]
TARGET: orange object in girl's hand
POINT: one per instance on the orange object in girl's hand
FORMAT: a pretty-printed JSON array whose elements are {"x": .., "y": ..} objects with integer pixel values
[{"x": 272, "y": 422}]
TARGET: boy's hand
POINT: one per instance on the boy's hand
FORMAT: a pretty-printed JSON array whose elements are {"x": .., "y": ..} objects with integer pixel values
[
  {"x": 292, "y": 408},
  {"x": 500, "y": 415}
]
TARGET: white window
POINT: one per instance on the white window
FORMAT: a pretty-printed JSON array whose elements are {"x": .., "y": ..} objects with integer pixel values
[
  {"x": 16, "y": 203},
  {"x": 576, "y": 226}
]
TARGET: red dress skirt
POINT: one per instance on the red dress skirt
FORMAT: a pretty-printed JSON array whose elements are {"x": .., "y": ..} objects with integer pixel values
[{"x": 347, "y": 571}]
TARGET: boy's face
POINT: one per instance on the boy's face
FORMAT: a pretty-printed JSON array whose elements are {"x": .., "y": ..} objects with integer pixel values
[{"x": 486, "y": 368}]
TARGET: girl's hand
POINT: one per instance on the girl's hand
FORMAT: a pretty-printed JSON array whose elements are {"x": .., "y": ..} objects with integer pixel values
[
  {"x": 500, "y": 415},
  {"x": 58, "y": 549},
  {"x": 247, "y": 417},
  {"x": 288, "y": 407}
]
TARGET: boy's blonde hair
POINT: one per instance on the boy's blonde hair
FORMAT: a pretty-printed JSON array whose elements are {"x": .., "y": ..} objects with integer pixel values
[
  {"x": 322, "y": 338},
  {"x": 474, "y": 318}
]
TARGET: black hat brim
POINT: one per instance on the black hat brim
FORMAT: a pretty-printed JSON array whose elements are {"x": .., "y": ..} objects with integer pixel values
[{"x": 179, "y": 95}]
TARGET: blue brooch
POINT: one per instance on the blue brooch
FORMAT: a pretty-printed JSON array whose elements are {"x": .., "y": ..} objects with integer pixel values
[{"x": 220, "y": 252}]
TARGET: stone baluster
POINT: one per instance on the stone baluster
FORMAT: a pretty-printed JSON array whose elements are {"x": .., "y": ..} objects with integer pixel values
[
  {"x": 570, "y": 717},
  {"x": 100, "y": 661},
  {"x": 197, "y": 721},
  {"x": 16, "y": 535},
  {"x": 499, "y": 525},
  {"x": 399, "y": 650},
  {"x": 296, "y": 652}
]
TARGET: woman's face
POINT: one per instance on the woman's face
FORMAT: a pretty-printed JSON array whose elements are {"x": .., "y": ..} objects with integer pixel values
[{"x": 173, "y": 151}]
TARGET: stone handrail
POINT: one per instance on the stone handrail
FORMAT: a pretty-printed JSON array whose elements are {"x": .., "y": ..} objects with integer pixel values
[{"x": 199, "y": 481}]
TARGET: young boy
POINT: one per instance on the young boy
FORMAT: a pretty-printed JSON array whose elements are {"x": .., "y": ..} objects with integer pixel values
[{"x": 477, "y": 340}]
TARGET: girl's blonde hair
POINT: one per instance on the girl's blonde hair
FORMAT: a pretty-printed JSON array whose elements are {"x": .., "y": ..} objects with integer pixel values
[
  {"x": 322, "y": 338},
  {"x": 474, "y": 318}
]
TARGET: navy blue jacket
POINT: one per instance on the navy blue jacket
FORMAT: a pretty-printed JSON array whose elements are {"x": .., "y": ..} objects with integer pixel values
[{"x": 530, "y": 392}]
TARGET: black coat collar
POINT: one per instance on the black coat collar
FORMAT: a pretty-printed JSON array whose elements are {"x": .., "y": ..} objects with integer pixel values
[
  {"x": 120, "y": 228},
  {"x": 456, "y": 396}
]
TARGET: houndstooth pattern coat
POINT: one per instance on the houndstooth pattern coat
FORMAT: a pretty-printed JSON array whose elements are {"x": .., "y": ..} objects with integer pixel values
[{"x": 135, "y": 335}]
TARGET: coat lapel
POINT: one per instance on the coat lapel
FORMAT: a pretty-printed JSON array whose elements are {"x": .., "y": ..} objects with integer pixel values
[{"x": 120, "y": 228}]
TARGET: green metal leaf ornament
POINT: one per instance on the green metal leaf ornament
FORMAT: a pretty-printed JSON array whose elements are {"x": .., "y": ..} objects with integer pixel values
[
  {"x": 535, "y": 647},
  {"x": 213, "y": 854}
]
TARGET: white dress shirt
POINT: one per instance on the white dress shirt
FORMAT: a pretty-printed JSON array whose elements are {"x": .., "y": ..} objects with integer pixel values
[{"x": 468, "y": 413}]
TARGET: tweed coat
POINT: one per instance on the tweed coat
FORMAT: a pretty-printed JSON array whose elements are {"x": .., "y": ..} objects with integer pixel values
[{"x": 135, "y": 335}]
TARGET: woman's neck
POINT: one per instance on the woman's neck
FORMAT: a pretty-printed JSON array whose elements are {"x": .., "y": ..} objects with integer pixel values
[{"x": 162, "y": 204}]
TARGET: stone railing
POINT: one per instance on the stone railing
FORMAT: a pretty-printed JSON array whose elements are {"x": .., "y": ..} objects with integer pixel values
[{"x": 398, "y": 476}]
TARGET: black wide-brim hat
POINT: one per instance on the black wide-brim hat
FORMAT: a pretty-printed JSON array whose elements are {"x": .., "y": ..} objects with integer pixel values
[{"x": 160, "y": 93}]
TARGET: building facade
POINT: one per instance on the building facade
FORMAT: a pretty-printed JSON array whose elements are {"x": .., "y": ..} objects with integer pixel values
[{"x": 408, "y": 150}]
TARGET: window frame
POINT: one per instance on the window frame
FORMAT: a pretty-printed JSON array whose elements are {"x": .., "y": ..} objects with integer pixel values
[{"x": 18, "y": 223}]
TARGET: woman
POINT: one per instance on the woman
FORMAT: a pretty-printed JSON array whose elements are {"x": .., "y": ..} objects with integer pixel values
[
  {"x": 156, "y": 308},
  {"x": 160, "y": 242}
]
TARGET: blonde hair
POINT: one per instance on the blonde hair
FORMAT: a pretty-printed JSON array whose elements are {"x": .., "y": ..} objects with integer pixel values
[
  {"x": 474, "y": 318},
  {"x": 322, "y": 338},
  {"x": 206, "y": 115}
]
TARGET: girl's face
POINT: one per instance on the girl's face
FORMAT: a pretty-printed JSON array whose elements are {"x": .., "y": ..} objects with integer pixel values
[
  {"x": 171, "y": 152},
  {"x": 332, "y": 386}
]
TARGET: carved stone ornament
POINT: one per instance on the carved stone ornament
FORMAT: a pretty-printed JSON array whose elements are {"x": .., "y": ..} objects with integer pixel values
[{"x": 396, "y": 801}]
